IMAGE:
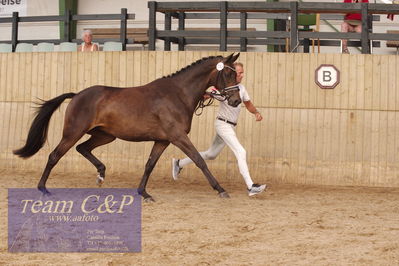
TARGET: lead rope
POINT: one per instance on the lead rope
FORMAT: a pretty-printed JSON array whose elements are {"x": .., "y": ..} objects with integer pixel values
[
  {"x": 202, "y": 104},
  {"x": 206, "y": 102}
]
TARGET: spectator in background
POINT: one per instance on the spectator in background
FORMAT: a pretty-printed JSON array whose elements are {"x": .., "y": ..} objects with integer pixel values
[
  {"x": 87, "y": 45},
  {"x": 352, "y": 23}
]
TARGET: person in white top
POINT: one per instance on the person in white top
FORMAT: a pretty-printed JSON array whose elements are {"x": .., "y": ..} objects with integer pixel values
[
  {"x": 87, "y": 45},
  {"x": 225, "y": 123}
]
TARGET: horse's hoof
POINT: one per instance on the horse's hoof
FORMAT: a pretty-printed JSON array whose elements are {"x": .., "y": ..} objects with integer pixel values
[
  {"x": 224, "y": 195},
  {"x": 149, "y": 199},
  {"x": 44, "y": 191},
  {"x": 100, "y": 180}
]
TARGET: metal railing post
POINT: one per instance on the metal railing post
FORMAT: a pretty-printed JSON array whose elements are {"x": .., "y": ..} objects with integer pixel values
[
  {"x": 14, "y": 31},
  {"x": 67, "y": 26},
  {"x": 182, "y": 26},
  {"x": 294, "y": 42},
  {"x": 123, "y": 33},
  {"x": 152, "y": 23},
  {"x": 243, "y": 27},
  {"x": 168, "y": 26},
  {"x": 365, "y": 29},
  {"x": 223, "y": 26}
]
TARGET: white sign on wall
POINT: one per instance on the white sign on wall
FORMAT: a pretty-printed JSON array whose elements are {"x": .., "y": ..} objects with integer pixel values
[
  {"x": 9, "y": 6},
  {"x": 327, "y": 76}
]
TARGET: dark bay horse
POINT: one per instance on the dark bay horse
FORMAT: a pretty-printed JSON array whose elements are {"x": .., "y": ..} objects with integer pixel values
[{"x": 160, "y": 111}]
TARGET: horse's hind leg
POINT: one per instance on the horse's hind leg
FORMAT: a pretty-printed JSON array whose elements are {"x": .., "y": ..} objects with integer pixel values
[
  {"x": 97, "y": 139},
  {"x": 67, "y": 141},
  {"x": 184, "y": 143},
  {"x": 156, "y": 152}
]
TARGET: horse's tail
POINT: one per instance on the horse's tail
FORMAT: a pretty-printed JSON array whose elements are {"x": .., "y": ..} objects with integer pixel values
[{"x": 38, "y": 130}]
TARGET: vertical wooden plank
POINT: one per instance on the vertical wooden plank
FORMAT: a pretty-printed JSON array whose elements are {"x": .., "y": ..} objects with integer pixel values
[
  {"x": 122, "y": 82},
  {"x": 115, "y": 68},
  {"x": 9, "y": 79},
  {"x": 108, "y": 69},
  {"x": 73, "y": 57},
  {"x": 374, "y": 142},
  {"x": 265, "y": 76},
  {"x": 383, "y": 147},
  {"x": 101, "y": 69},
  {"x": 271, "y": 128},
  {"x": 54, "y": 64},
  {"x": 303, "y": 145},
  {"x": 14, "y": 89},
  {"x": 297, "y": 81},
  {"x": 281, "y": 93},
  {"x": 327, "y": 162},
  {"x": 336, "y": 92},
  {"x": 94, "y": 69},
  {"x": 319, "y": 147},
  {"x": 319, "y": 93},
  {"x": 152, "y": 66},
  {"x": 368, "y": 81},
  {"x": 335, "y": 145},
  {"x": 257, "y": 88},
  {"x": 360, "y": 88},
  {"x": 3, "y": 76},
  {"x": 40, "y": 75},
  {"x": 383, "y": 82},
  {"x": 167, "y": 61},
  {"x": 343, "y": 149},
  {"x": 289, "y": 80},
  {"x": 353, "y": 84},
  {"x": 305, "y": 81},
  {"x": 345, "y": 77},
  {"x": 20, "y": 89},
  {"x": 313, "y": 88},
  {"x": 274, "y": 89},
  {"x": 391, "y": 83},
  {"x": 311, "y": 148},
  {"x": 47, "y": 76},
  {"x": 376, "y": 95},
  {"x": 144, "y": 67}
]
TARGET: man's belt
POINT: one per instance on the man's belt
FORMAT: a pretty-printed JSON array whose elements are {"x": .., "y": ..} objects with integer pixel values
[{"x": 227, "y": 121}]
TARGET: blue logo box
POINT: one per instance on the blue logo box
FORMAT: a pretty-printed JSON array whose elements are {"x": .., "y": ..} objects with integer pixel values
[{"x": 74, "y": 220}]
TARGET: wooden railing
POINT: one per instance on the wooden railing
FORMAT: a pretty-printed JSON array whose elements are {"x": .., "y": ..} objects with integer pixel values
[{"x": 268, "y": 10}]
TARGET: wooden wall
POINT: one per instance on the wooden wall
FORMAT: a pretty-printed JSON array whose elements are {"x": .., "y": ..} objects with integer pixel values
[{"x": 345, "y": 136}]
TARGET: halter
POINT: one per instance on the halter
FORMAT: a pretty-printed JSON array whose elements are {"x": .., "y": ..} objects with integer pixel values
[
  {"x": 219, "y": 67},
  {"x": 220, "y": 94}
]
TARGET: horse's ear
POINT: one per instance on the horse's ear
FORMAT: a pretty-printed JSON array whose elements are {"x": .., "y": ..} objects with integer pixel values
[
  {"x": 228, "y": 59},
  {"x": 235, "y": 57}
]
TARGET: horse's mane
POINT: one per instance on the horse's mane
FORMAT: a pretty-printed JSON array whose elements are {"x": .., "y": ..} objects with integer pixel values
[{"x": 193, "y": 64}]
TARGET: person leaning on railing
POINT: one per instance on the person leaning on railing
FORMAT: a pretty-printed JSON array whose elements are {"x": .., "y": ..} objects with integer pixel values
[
  {"x": 352, "y": 23},
  {"x": 87, "y": 45}
]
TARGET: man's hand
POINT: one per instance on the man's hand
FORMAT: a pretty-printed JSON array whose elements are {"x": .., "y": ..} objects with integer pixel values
[
  {"x": 207, "y": 96},
  {"x": 258, "y": 116}
]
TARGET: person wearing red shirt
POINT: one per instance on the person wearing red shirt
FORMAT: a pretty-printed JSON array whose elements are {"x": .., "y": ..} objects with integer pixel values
[{"x": 352, "y": 23}]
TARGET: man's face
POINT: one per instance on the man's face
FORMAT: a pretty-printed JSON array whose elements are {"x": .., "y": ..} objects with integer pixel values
[{"x": 240, "y": 73}]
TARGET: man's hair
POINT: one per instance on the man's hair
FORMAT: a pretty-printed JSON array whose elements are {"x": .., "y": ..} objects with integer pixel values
[{"x": 239, "y": 64}]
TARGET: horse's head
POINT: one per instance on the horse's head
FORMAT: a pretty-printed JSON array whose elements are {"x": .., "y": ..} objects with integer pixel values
[{"x": 225, "y": 80}]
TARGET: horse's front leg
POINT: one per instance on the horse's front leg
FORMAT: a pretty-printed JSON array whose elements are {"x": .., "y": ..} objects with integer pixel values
[
  {"x": 184, "y": 143},
  {"x": 157, "y": 150}
]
